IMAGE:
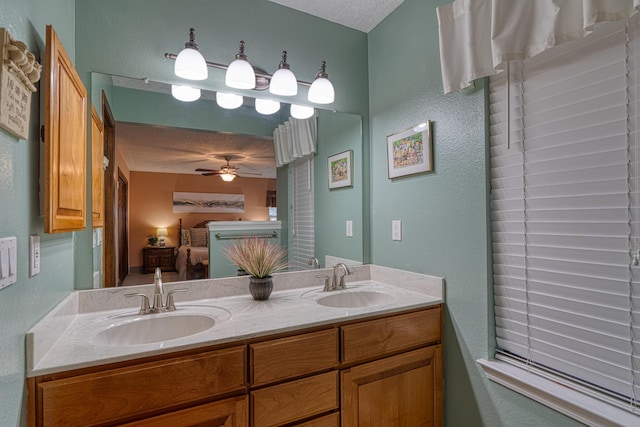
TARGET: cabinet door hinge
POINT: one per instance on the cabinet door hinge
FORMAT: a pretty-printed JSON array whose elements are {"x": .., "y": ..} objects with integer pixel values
[{"x": 42, "y": 133}]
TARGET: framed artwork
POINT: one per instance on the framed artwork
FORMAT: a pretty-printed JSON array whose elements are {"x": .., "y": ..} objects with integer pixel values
[
  {"x": 207, "y": 202},
  {"x": 341, "y": 169},
  {"x": 409, "y": 151}
]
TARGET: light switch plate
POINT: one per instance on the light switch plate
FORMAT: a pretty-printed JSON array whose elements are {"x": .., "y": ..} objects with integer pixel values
[
  {"x": 34, "y": 255},
  {"x": 396, "y": 229},
  {"x": 349, "y": 230},
  {"x": 8, "y": 261}
]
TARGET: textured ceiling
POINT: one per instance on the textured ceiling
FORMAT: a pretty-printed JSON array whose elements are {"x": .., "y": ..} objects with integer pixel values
[
  {"x": 172, "y": 150},
  {"x": 362, "y": 15}
]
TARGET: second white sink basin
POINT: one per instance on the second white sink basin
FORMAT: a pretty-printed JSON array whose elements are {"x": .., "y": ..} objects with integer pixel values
[
  {"x": 153, "y": 328},
  {"x": 344, "y": 299}
]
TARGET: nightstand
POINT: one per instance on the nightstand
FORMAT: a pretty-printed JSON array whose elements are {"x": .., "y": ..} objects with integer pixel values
[{"x": 158, "y": 256}]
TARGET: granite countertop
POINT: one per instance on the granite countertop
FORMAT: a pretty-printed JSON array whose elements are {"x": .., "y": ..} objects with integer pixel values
[{"x": 69, "y": 336}]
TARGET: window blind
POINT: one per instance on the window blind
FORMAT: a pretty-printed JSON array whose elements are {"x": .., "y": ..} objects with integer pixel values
[
  {"x": 303, "y": 236},
  {"x": 565, "y": 211}
]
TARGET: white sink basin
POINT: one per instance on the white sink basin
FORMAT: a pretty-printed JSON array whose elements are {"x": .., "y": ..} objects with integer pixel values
[
  {"x": 153, "y": 328},
  {"x": 344, "y": 299}
]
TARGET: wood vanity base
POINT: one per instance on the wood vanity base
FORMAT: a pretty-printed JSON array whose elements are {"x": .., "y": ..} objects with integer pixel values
[{"x": 385, "y": 370}]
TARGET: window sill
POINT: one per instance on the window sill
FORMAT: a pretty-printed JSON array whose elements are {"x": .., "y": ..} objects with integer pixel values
[{"x": 561, "y": 397}]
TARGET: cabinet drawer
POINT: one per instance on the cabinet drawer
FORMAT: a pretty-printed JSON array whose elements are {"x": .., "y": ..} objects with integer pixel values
[
  {"x": 293, "y": 356},
  {"x": 384, "y": 336},
  {"x": 331, "y": 420},
  {"x": 136, "y": 390},
  {"x": 232, "y": 412},
  {"x": 295, "y": 400}
]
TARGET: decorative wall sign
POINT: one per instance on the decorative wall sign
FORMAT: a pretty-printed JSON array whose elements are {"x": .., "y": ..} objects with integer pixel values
[
  {"x": 207, "y": 202},
  {"x": 340, "y": 169},
  {"x": 409, "y": 151},
  {"x": 18, "y": 75}
]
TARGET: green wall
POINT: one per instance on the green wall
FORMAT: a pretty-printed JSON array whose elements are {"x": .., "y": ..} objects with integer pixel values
[
  {"x": 25, "y": 302},
  {"x": 444, "y": 215}
]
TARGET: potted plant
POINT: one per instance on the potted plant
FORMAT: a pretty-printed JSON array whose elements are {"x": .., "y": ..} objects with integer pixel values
[
  {"x": 259, "y": 258},
  {"x": 152, "y": 240}
]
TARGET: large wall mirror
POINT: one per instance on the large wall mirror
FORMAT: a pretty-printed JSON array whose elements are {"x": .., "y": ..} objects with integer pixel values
[{"x": 159, "y": 142}]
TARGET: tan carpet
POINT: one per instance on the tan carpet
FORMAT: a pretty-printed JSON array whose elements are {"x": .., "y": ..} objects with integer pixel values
[{"x": 145, "y": 279}]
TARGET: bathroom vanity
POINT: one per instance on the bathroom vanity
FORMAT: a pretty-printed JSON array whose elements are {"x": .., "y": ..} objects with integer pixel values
[{"x": 287, "y": 361}]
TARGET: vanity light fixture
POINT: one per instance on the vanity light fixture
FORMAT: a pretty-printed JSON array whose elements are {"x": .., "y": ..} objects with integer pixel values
[
  {"x": 240, "y": 74},
  {"x": 301, "y": 111},
  {"x": 185, "y": 93},
  {"x": 321, "y": 90},
  {"x": 229, "y": 101},
  {"x": 190, "y": 63},
  {"x": 267, "y": 106},
  {"x": 283, "y": 82}
]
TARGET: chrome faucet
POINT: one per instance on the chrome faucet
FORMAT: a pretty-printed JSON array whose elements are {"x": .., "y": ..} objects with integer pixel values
[
  {"x": 158, "y": 290},
  {"x": 313, "y": 261},
  {"x": 158, "y": 294},
  {"x": 338, "y": 279}
]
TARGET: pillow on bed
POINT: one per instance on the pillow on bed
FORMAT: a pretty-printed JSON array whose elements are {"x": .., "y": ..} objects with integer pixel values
[
  {"x": 199, "y": 236},
  {"x": 185, "y": 238}
]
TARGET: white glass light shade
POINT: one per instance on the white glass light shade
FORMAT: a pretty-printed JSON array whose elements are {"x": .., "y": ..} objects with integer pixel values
[
  {"x": 185, "y": 93},
  {"x": 267, "y": 106},
  {"x": 228, "y": 177},
  {"x": 229, "y": 101},
  {"x": 240, "y": 75},
  {"x": 301, "y": 111},
  {"x": 190, "y": 64},
  {"x": 321, "y": 91},
  {"x": 283, "y": 82}
]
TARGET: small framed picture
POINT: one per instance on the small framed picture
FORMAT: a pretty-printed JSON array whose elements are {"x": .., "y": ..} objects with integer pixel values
[
  {"x": 340, "y": 169},
  {"x": 409, "y": 151}
]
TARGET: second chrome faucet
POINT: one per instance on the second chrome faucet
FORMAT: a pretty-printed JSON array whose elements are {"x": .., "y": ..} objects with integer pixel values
[
  {"x": 158, "y": 296},
  {"x": 336, "y": 282}
]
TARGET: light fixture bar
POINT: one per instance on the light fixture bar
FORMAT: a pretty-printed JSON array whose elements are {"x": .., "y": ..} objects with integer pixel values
[{"x": 225, "y": 67}]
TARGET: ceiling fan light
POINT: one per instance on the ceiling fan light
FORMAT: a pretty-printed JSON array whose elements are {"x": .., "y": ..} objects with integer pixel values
[
  {"x": 301, "y": 111},
  {"x": 190, "y": 64},
  {"x": 240, "y": 74},
  {"x": 228, "y": 177},
  {"x": 321, "y": 90},
  {"x": 185, "y": 93},
  {"x": 283, "y": 82},
  {"x": 229, "y": 101},
  {"x": 267, "y": 106}
]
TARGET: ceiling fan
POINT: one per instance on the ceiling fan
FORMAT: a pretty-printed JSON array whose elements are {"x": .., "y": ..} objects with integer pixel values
[{"x": 227, "y": 172}]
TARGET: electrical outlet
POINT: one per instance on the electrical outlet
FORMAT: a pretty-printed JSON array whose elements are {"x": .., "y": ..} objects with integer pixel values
[
  {"x": 349, "y": 228},
  {"x": 396, "y": 229}
]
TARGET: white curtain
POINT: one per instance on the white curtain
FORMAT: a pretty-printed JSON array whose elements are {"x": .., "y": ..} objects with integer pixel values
[
  {"x": 478, "y": 37},
  {"x": 295, "y": 139}
]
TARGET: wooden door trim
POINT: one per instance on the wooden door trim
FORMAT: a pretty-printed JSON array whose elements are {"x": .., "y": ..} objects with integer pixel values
[{"x": 109, "y": 247}]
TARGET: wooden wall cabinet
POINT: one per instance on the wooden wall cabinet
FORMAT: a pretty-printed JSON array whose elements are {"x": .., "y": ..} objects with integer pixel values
[
  {"x": 393, "y": 376},
  {"x": 97, "y": 171},
  {"x": 65, "y": 136}
]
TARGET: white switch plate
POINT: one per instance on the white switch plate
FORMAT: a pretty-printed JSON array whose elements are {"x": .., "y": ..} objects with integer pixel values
[
  {"x": 34, "y": 255},
  {"x": 8, "y": 261},
  {"x": 349, "y": 228},
  {"x": 396, "y": 229}
]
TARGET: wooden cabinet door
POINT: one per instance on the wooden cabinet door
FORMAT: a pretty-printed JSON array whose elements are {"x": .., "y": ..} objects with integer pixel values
[
  {"x": 65, "y": 136},
  {"x": 403, "y": 391},
  {"x": 97, "y": 172},
  {"x": 225, "y": 413}
]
